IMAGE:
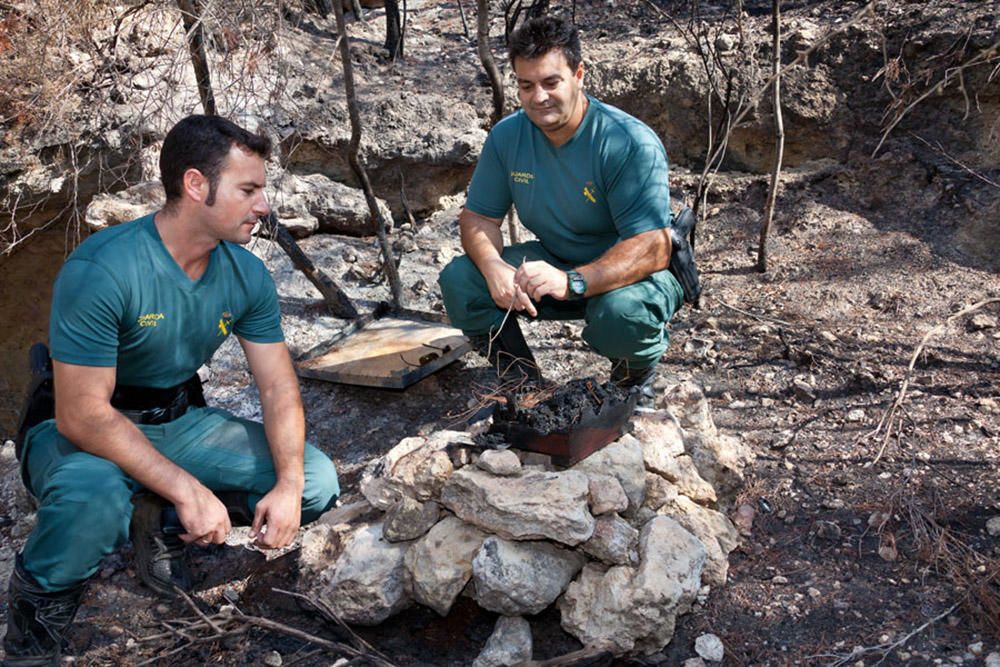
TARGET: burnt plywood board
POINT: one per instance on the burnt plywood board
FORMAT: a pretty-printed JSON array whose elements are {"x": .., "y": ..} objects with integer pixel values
[{"x": 389, "y": 352}]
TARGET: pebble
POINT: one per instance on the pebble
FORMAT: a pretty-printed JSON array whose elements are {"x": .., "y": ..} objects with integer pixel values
[
  {"x": 993, "y": 660},
  {"x": 993, "y": 526},
  {"x": 693, "y": 662},
  {"x": 710, "y": 647},
  {"x": 856, "y": 415},
  {"x": 779, "y": 579},
  {"x": 976, "y": 648},
  {"x": 828, "y": 530},
  {"x": 814, "y": 593},
  {"x": 162, "y": 609},
  {"x": 273, "y": 659},
  {"x": 828, "y": 336}
]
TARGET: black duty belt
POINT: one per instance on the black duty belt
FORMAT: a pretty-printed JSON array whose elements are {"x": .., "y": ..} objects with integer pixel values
[{"x": 149, "y": 405}]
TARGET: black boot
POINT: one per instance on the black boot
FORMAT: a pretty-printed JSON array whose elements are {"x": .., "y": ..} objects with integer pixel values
[
  {"x": 161, "y": 559},
  {"x": 36, "y": 620},
  {"x": 508, "y": 353},
  {"x": 635, "y": 380}
]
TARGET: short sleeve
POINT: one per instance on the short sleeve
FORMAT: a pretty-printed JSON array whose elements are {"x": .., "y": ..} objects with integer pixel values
[
  {"x": 639, "y": 193},
  {"x": 261, "y": 323},
  {"x": 88, "y": 307},
  {"x": 489, "y": 190}
]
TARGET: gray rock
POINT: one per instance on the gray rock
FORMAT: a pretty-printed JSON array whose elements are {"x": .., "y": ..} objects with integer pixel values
[
  {"x": 369, "y": 580},
  {"x": 273, "y": 659},
  {"x": 408, "y": 519},
  {"x": 535, "y": 505},
  {"x": 515, "y": 578},
  {"x": 322, "y": 544},
  {"x": 440, "y": 563},
  {"x": 107, "y": 210},
  {"x": 332, "y": 206},
  {"x": 992, "y": 660},
  {"x": 659, "y": 491},
  {"x": 993, "y": 526},
  {"x": 502, "y": 462},
  {"x": 715, "y": 531},
  {"x": 613, "y": 542},
  {"x": 710, "y": 647},
  {"x": 509, "y": 644},
  {"x": 623, "y": 460},
  {"x": 417, "y": 467},
  {"x": 634, "y": 609},
  {"x": 606, "y": 495}
]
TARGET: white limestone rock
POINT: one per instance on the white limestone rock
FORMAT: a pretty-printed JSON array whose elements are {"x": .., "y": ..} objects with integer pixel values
[
  {"x": 634, "y": 609},
  {"x": 606, "y": 495},
  {"x": 509, "y": 644},
  {"x": 682, "y": 472},
  {"x": 334, "y": 207},
  {"x": 623, "y": 460},
  {"x": 613, "y": 542},
  {"x": 409, "y": 519},
  {"x": 109, "y": 209},
  {"x": 710, "y": 647},
  {"x": 440, "y": 563},
  {"x": 661, "y": 439},
  {"x": 369, "y": 580},
  {"x": 501, "y": 462},
  {"x": 715, "y": 531},
  {"x": 535, "y": 505},
  {"x": 659, "y": 491},
  {"x": 417, "y": 467},
  {"x": 515, "y": 578}
]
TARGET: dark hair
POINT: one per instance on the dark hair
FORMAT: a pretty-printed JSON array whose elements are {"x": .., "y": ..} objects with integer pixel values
[
  {"x": 202, "y": 143},
  {"x": 536, "y": 37}
]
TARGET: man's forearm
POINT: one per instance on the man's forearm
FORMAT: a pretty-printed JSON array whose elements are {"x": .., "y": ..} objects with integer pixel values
[
  {"x": 627, "y": 262},
  {"x": 284, "y": 425},
  {"x": 482, "y": 240}
]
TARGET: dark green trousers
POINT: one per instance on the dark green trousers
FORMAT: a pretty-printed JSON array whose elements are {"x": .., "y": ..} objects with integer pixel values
[
  {"x": 85, "y": 501},
  {"x": 623, "y": 324}
]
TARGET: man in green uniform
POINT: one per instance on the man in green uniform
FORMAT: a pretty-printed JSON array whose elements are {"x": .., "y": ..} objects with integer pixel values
[
  {"x": 590, "y": 182},
  {"x": 136, "y": 310}
]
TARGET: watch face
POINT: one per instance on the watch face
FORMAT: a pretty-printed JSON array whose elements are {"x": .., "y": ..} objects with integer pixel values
[{"x": 577, "y": 284}]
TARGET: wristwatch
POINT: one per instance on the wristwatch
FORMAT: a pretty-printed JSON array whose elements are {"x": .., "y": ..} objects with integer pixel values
[{"x": 577, "y": 285}]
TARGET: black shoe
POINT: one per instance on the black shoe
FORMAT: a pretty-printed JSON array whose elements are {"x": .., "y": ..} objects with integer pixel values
[
  {"x": 36, "y": 620},
  {"x": 637, "y": 381},
  {"x": 508, "y": 353},
  {"x": 160, "y": 555}
]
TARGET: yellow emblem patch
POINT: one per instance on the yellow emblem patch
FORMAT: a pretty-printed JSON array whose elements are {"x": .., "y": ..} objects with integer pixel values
[{"x": 225, "y": 323}]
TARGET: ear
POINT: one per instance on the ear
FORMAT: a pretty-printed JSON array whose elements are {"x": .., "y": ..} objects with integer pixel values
[
  {"x": 578, "y": 74},
  {"x": 195, "y": 185}
]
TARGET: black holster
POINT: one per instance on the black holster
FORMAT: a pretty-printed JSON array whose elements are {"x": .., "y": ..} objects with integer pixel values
[{"x": 682, "y": 256}]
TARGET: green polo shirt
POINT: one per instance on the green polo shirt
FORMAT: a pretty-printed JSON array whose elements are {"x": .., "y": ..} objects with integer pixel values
[
  {"x": 607, "y": 183},
  {"x": 121, "y": 300}
]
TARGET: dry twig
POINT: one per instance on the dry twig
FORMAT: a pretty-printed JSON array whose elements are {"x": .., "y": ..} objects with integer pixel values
[{"x": 889, "y": 423}]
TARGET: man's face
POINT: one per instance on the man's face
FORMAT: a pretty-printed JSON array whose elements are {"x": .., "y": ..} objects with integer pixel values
[
  {"x": 239, "y": 197},
  {"x": 551, "y": 93}
]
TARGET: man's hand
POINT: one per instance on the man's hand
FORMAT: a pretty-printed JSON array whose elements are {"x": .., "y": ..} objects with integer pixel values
[
  {"x": 538, "y": 279},
  {"x": 203, "y": 516},
  {"x": 503, "y": 287},
  {"x": 281, "y": 511}
]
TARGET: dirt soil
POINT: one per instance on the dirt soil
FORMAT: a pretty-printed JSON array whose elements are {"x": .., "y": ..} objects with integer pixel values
[{"x": 863, "y": 542}]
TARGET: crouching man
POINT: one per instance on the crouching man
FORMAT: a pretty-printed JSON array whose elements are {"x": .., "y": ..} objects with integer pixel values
[
  {"x": 136, "y": 310},
  {"x": 590, "y": 182}
]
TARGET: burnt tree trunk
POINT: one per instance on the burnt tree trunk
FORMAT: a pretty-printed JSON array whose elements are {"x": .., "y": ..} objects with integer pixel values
[
  {"x": 191, "y": 15},
  {"x": 486, "y": 57},
  {"x": 388, "y": 261},
  {"x": 779, "y": 140},
  {"x": 393, "y": 30}
]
